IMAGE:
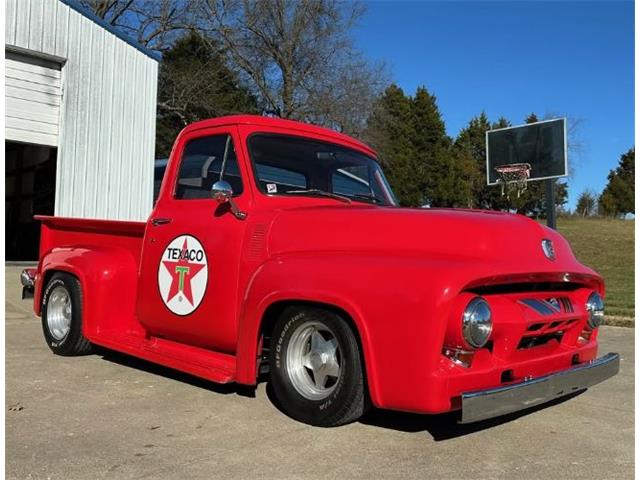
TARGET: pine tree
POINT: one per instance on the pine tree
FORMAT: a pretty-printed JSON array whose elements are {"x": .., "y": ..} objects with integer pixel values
[
  {"x": 409, "y": 135},
  {"x": 389, "y": 132},
  {"x": 195, "y": 83},
  {"x": 469, "y": 149},
  {"x": 587, "y": 204},
  {"x": 618, "y": 197},
  {"x": 438, "y": 175},
  {"x": 471, "y": 143}
]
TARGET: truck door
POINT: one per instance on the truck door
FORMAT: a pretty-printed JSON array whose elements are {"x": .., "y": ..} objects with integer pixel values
[{"x": 192, "y": 247}]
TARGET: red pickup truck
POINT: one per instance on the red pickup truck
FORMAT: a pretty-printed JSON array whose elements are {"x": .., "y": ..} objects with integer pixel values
[{"x": 279, "y": 246}]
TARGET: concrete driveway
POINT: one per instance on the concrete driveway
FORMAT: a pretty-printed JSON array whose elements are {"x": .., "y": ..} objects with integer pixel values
[{"x": 111, "y": 416}]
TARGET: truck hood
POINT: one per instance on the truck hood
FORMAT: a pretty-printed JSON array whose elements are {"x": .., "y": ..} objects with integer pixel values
[{"x": 507, "y": 242}]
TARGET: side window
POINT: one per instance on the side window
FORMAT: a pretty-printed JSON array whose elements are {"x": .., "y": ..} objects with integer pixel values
[
  {"x": 202, "y": 160},
  {"x": 352, "y": 180}
]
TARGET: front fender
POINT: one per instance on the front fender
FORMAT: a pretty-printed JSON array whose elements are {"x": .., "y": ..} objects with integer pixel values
[
  {"x": 397, "y": 308},
  {"x": 108, "y": 277}
]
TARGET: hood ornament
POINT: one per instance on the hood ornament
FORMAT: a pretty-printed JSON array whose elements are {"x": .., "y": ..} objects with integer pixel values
[{"x": 547, "y": 248}]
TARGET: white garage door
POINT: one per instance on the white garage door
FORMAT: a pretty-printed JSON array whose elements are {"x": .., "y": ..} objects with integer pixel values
[{"x": 33, "y": 95}]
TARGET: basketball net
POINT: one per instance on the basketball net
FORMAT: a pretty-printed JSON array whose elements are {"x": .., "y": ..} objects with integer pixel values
[{"x": 513, "y": 177}]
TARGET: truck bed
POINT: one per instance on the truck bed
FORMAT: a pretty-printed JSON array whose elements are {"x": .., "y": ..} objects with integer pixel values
[
  {"x": 63, "y": 231},
  {"x": 66, "y": 243}
]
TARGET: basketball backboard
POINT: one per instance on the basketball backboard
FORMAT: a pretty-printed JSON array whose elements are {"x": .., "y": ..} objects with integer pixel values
[{"x": 542, "y": 145}]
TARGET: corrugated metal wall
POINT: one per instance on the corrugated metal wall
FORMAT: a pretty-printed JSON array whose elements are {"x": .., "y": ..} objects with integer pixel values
[{"x": 107, "y": 130}]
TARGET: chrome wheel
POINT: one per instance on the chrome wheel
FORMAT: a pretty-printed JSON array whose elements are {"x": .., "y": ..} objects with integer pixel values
[
  {"x": 313, "y": 360},
  {"x": 59, "y": 313}
]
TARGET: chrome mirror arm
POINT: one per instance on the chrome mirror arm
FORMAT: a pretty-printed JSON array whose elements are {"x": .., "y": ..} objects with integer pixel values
[
  {"x": 239, "y": 214},
  {"x": 222, "y": 192}
]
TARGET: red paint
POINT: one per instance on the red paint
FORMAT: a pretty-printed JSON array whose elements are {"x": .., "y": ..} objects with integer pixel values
[{"x": 403, "y": 276}]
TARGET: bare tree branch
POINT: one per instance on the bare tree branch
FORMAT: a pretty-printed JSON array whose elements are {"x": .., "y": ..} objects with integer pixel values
[{"x": 298, "y": 57}]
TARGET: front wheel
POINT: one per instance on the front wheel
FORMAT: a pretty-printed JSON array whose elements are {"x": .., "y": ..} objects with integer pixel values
[
  {"x": 62, "y": 316},
  {"x": 315, "y": 366}
]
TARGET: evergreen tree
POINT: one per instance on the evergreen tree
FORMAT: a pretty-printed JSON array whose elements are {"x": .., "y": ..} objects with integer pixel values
[
  {"x": 389, "y": 132},
  {"x": 438, "y": 175},
  {"x": 618, "y": 196},
  {"x": 195, "y": 83},
  {"x": 471, "y": 143},
  {"x": 587, "y": 204},
  {"x": 409, "y": 135}
]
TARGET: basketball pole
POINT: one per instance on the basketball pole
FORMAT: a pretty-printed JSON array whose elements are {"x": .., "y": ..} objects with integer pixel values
[{"x": 551, "y": 202}]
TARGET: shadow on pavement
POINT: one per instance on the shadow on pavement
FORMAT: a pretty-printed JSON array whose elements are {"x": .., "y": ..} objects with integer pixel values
[
  {"x": 445, "y": 426},
  {"x": 441, "y": 427},
  {"x": 160, "y": 370}
]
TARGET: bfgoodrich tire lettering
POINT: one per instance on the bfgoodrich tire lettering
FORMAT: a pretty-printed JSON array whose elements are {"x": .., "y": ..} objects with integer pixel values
[
  {"x": 64, "y": 340},
  {"x": 344, "y": 400}
]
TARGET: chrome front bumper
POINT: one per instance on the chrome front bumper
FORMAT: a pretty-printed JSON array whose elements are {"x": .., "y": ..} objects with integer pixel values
[
  {"x": 502, "y": 400},
  {"x": 27, "y": 278}
]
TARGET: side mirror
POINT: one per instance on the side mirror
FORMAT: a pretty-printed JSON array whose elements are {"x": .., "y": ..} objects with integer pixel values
[{"x": 222, "y": 192}]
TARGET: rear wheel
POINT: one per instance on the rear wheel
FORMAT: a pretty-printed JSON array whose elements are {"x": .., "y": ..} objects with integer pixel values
[
  {"x": 62, "y": 316},
  {"x": 315, "y": 367}
]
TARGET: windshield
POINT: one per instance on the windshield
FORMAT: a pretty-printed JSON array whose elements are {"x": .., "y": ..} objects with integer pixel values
[{"x": 288, "y": 165}]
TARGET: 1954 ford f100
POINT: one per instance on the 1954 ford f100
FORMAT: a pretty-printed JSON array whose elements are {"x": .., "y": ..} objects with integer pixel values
[{"x": 278, "y": 246}]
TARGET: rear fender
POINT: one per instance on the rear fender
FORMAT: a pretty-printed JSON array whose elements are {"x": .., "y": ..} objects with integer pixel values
[{"x": 108, "y": 277}]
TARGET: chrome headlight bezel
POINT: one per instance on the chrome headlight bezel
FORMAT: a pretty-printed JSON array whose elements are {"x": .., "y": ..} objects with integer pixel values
[
  {"x": 595, "y": 309},
  {"x": 477, "y": 323}
]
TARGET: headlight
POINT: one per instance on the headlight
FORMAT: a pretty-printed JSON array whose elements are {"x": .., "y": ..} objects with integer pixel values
[
  {"x": 476, "y": 322},
  {"x": 595, "y": 308}
]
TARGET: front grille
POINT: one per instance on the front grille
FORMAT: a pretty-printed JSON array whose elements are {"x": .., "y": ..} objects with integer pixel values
[
  {"x": 539, "y": 340},
  {"x": 555, "y": 325}
]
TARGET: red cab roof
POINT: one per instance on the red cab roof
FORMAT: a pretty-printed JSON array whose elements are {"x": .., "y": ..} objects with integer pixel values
[{"x": 273, "y": 122}]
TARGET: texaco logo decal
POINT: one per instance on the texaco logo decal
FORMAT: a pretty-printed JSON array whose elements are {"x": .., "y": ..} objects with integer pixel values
[{"x": 182, "y": 275}]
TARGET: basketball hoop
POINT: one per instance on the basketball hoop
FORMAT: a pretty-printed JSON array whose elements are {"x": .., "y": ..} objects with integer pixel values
[{"x": 513, "y": 177}]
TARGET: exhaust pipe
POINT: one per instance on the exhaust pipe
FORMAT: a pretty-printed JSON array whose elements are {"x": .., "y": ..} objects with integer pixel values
[{"x": 28, "y": 281}]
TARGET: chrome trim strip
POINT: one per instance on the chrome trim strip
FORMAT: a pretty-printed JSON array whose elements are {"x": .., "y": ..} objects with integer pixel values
[
  {"x": 547, "y": 307},
  {"x": 539, "y": 306},
  {"x": 485, "y": 404},
  {"x": 566, "y": 302}
]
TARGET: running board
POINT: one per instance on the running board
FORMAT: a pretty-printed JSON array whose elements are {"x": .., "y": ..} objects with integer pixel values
[{"x": 215, "y": 366}]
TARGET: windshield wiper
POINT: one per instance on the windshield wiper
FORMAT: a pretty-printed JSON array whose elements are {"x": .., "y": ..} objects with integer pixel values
[{"x": 320, "y": 193}]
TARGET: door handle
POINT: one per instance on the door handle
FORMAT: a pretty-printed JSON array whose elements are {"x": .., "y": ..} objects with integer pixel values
[{"x": 160, "y": 221}]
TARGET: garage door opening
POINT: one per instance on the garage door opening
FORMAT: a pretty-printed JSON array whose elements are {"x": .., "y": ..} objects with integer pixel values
[{"x": 30, "y": 188}]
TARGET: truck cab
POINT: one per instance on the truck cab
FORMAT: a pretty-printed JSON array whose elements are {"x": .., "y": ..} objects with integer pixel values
[
  {"x": 279, "y": 246},
  {"x": 221, "y": 194}
]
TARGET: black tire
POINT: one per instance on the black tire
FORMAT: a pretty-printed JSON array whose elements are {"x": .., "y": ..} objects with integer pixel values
[
  {"x": 347, "y": 401},
  {"x": 74, "y": 342}
]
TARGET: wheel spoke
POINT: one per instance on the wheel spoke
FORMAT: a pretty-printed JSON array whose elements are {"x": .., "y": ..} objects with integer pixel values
[
  {"x": 317, "y": 342},
  {"x": 332, "y": 369},
  {"x": 306, "y": 361},
  {"x": 332, "y": 346},
  {"x": 320, "y": 376}
]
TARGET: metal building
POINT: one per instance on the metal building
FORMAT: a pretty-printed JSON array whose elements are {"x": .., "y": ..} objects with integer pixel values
[{"x": 79, "y": 120}]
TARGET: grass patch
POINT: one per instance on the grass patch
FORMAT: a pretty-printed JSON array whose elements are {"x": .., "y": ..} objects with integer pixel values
[{"x": 607, "y": 246}]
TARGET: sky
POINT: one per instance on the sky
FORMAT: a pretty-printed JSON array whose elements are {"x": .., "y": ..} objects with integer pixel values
[{"x": 571, "y": 59}]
